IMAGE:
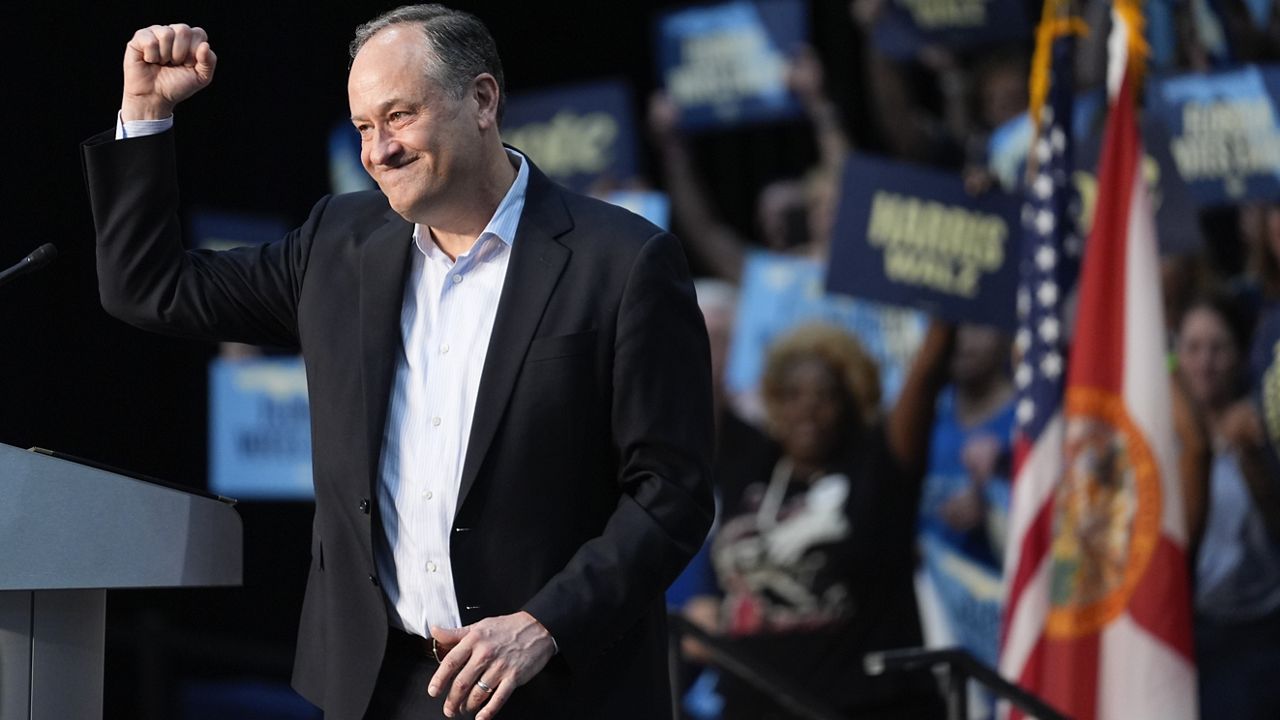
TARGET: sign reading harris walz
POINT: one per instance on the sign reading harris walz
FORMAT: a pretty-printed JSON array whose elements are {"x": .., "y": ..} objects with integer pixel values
[
  {"x": 1225, "y": 140},
  {"x": 906, "y": 235},
  {"x": 581, "y": 136},
  {"x": 726, "y": 64}
]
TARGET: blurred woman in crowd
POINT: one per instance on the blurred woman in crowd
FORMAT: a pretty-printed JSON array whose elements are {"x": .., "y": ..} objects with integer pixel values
[
  {"x": 1237, "y": 598},
  {"x": 815, "y": 548}
]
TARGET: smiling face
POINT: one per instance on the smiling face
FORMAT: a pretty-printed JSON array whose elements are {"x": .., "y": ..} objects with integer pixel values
[
  {"x": 1208, "y": 357},
  {"x": 422, "y": 146},
  {"x": 810, "y": 412}
]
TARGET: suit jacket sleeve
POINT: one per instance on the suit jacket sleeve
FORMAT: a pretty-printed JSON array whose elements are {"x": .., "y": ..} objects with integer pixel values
[
  {"x": 147, "y": 279},
  {"x": 662, "y": 424}
]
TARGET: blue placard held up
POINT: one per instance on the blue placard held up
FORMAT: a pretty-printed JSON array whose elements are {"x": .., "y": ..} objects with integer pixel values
[
  {"x": 214, "y": 230},
  {"x": 779, "y": 292},
  {"x": 726, "y": 64},
  {"x": 649, "y": 204},
  {"x": 582, "y": 136},
  {"x": 1224, "y": 132},
  {"x": 1177, "y": 225},
  {"x": 907, "y": 235},
  {"x": 259, "y": 429}
]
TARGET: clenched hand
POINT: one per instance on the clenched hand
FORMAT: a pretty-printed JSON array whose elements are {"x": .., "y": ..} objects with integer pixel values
[{"x": 164, "y": 65}]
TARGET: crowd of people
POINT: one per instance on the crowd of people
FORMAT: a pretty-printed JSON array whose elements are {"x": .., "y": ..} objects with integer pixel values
[{"x": 849, "y": 522}]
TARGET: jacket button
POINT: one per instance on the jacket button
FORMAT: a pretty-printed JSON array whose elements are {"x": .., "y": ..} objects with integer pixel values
[
  {"x": 373, "y": 579},
  {"x": 364, "y": 505}
]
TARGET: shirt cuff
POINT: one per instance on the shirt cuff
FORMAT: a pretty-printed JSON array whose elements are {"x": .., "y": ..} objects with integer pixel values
[{"x": 141, "y": 128}]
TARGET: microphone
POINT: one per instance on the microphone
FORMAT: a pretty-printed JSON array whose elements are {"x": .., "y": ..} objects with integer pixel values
[{"x": 38, "y": 258}]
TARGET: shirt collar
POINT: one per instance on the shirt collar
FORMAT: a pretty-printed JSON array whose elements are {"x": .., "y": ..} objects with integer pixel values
[{"x": 505, "y": 220}]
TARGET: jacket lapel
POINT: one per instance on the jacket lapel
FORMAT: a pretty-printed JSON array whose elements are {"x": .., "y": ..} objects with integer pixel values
[
  {"x": 537, "y": 261},
  {"x": 384, "y": 262}
]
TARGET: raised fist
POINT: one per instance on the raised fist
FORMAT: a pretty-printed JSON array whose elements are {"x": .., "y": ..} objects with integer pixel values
[{"x": 164, "y": 65}]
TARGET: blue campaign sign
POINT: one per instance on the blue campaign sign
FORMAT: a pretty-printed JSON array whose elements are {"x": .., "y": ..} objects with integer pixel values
[
  {"x": 346, "y": 173},
  {"x": 907, "y": 235},
  {"x": 1177, "y": 224},
  {"x": 259, "y": 429},
  {"x": 225, "y": 230},
  {"x": 648, "y": 204},
  {"x": 1224, "y": 135},
  {"x": 907, "y": 26},
  {"x": 579, "y": 135},
  {"x": 779, "y": 292},
  {"x": 726, "y": 64}
]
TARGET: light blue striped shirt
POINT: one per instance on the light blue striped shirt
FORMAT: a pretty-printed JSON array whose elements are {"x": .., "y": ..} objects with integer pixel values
[{"x": 445, "y": 324}]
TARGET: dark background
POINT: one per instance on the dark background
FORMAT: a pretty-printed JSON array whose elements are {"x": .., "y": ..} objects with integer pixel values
[{"x": 73, "y": 379}]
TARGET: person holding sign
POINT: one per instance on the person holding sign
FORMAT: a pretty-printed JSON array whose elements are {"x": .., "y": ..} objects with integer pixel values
[
  {"x": 793, "y": 215},
  {"x": 509, "y": 385}
]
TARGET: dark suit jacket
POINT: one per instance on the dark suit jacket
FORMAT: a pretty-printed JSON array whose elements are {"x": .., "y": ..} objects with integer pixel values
[{"x": 586, "y": 484}]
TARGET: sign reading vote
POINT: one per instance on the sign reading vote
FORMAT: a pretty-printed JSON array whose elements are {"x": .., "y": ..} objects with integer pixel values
[
  {"x": 907, "y": 26},
  {"x": 1224, "y": 136},
  {"x": 906, "y": 235},
  {"x": 259, "y": 429},
  {"x": 579, "y": 135},
  {"x": 727, "y": 64}
]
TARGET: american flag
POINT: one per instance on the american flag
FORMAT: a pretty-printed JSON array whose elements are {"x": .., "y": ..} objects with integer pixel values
[
  {"x": 1050, "y": 265},
  {"x": 1051, "y": 248}
]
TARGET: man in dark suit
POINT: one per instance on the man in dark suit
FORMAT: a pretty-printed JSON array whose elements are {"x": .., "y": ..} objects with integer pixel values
[{"x": 509, "y": 387}]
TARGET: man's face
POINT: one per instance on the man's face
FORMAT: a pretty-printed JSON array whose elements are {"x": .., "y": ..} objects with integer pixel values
[{"x": 416, "y": 141}]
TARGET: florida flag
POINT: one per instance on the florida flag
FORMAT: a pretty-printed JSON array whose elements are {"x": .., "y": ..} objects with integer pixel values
[{"x": 1098, "y": 619}]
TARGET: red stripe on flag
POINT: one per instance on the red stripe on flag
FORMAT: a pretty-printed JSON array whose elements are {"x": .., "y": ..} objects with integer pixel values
[
  {"x": 1035, "y": 545},
  {"x": 1097, "y": 356},
  {"x": 1072, "y": 684},
  {"x": 1021, "y": 449},
  {"x": 1031, "y": 673},
  {"x": 1150, "y": 606}
]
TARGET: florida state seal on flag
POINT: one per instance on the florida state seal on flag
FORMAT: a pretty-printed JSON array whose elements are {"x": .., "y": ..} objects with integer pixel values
[{"x": 1098, "y": 617}]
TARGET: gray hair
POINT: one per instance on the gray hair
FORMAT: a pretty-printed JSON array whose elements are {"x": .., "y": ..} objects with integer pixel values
[{"x": 461, "y": 46}]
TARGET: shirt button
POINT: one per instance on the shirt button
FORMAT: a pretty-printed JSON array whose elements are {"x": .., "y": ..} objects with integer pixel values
[
  {"x": 427, "y": 494},
  {"x": 374, "y": 580},
  {"x": 444, "y": 349},
  {"x": 364, "y": 506},
  {"x": 431, "y": 566},
  {"x": 435, "y": 421},
  {"x": 457, "y": 279}
]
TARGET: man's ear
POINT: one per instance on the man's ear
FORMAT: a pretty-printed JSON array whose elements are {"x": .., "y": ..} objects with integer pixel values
[{"x": 484, "y": 89}]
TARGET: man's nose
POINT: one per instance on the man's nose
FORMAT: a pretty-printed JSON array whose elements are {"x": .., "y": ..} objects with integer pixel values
[{"x": 384, "y": 148}]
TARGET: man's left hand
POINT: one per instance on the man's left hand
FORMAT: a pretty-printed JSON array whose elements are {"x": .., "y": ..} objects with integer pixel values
[{"x": 498, "y": 653}]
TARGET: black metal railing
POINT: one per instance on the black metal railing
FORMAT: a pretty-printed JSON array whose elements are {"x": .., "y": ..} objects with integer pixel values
[
  {"x": 783, "y": 692},
  {"x": 958, "y": 667}
]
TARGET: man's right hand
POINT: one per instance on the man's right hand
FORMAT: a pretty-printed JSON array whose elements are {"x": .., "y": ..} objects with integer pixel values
[{"x": 164, "y": 65}]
